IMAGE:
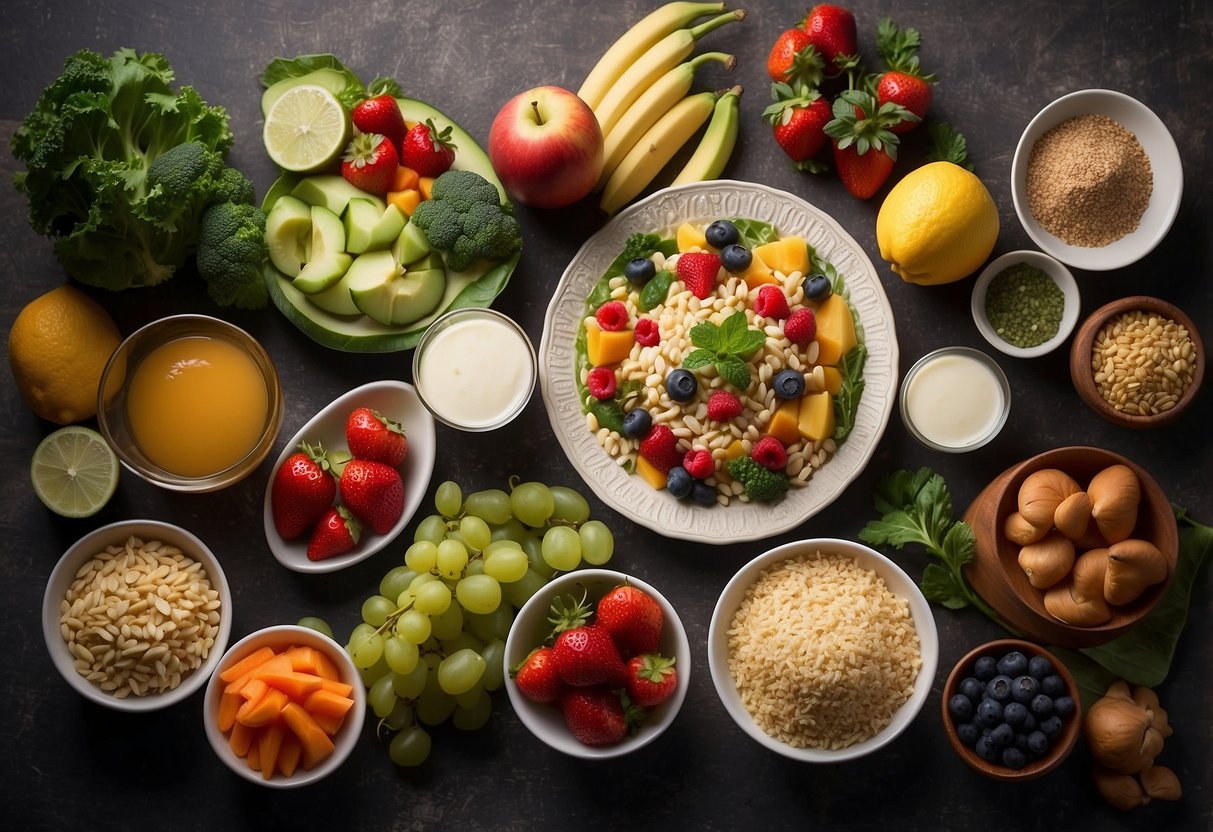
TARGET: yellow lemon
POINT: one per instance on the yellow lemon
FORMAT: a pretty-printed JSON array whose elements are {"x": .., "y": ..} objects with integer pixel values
[
  {"x": 58, "y": 347},
  {"x": 937, "y": 225}
]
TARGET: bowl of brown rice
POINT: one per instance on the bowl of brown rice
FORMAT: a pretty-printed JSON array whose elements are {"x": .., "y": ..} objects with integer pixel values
[
  {"x": 822, "y": 650},
  {"x": 1096, "y": 179},
  {"x": 136, "y": 615}
]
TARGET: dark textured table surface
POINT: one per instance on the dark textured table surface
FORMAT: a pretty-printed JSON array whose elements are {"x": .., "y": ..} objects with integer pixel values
[{"x": 71, "y": 765}]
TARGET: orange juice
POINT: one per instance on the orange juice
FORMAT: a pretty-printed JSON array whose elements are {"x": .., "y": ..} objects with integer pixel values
[{"x": 197, "y": 405}]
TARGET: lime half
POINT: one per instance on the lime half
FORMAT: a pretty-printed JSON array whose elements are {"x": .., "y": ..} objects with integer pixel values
[
  {"x": 306, "y": 129},
  {"x": 74, "y": 471}
]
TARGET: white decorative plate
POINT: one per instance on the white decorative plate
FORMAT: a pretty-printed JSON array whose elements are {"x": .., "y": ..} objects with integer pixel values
[{"x": 703, "y": 202}]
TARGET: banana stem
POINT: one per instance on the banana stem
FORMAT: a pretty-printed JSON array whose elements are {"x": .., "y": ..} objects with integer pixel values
[
  {"x": 715, "y": 23},
  {"x": 727, "y": 60}
]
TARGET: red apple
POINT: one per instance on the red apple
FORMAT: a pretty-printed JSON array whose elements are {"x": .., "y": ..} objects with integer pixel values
[{"x": 546, "y": 147}]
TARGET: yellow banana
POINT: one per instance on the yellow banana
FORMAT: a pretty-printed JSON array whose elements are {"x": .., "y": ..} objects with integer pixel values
[
  {"x": 655, "y": 149},
  {"x": 656, "y": 101},
  {"x": 716, "y": 146},
  {"x": 635, "y": 41},
  {"x": 666, "y": 54}
]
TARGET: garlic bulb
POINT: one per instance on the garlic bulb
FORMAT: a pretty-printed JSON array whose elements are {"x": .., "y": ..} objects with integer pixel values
[{"x": 1126, "y": 732}]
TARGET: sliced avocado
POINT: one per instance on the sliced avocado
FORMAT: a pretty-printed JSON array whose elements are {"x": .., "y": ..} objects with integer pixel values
[
  {"x": 369, "y": 229},
  {"x": 332, "y": 192},
  {"x": 288, "y": 235},
  {"x": 330, "y": 79},
  {"x": 336, "y": 298},
  {"x": 383, "y": 291},
  {"x": 328, "y": 261},
  {"x": 411, "y": 244}
]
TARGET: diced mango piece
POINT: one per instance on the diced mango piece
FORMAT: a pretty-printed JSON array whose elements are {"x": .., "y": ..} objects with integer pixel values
[
  {"x": 604, "y": 347},
  {"x": 758, "y": 273},
  {"x": 833, "y": 380},
  {"x": 406, "y": 200},
  {"x": 650, "y": 474},
  {"x": 784, "y": 424},
  {"x": 735, "y": 449},
  {"x": 815, "y": 420},
  {"x": 786, "y": 255},
  {"x": 425, "y": 184},
  {"x": 690, "y": 237},
  {"x": 405, "y": 179},
  {"x": 835, "y": 330}
]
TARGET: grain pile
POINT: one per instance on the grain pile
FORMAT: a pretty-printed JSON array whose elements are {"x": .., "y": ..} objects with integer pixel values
[
  {"x": 1143, "y": 362},
  {"x": 1088, "y": 181},
  {"x": 822, "y": 652}
]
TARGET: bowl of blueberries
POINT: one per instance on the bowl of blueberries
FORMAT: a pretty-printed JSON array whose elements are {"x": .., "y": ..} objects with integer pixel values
[{"x": 1011, "y": 710}]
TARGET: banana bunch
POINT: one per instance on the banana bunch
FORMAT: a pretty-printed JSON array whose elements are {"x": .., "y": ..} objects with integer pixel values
[{"x": 640, "y": 91}]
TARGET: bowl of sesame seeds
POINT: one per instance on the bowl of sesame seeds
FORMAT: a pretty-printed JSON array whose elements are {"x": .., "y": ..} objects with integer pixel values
[{"x": 1096, "y": 180}]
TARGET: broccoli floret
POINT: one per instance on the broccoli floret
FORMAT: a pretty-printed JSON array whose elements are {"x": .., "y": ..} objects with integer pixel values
[
  {"x": 231, "y": 254},
  {"x": 760, "y": 483},
  {"x": 466, "y": 219}
]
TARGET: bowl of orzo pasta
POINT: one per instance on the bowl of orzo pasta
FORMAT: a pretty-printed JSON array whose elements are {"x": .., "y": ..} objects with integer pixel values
[
  {"x": 822, "y": 650},
  {"x": 137, "y": 614},
  {"x": 719, "y": 361}
]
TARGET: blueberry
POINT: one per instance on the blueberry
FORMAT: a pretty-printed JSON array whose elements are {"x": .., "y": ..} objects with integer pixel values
[
  {"x": 678, "y": 482},
  {"x": 1002, "y": 735},
  {"x": 968, "y": 733},
  {"x": 985, "y": 668},
  {"x": 1053, "y": 685},
  {"x": 788, "y": 384},
  {"x": 1021, "y": 742},
  {"x": 703, "y": 494},
  {"x": 1015, "y": 714},
  {"x": 1038, "y": 743},
  {"x": 637, "y": 422},
  {"x": 1051, "y": 727},
  {"x": 735, "y": 258},
  {"x": 640, "y": 270},
  {"x": 1024, "y": 688},
  {"x": 817, "y": 287},
  {"x": 721, "y": 233},
  {"x": 1064, "y": 706},
  {"x": 989, "y": 713},
  {"x": 999, "y": 689},
  {"x": 1014, "y": 758},
  {"x": 1013, "y": 664},
  {"x": 681, "y": 385},
  {"x": 960, "y": 707},
  {"x": 1039, "y": 667},
  {"x": 986, "y": 749},
  {"x": 1041, "y": 706},
  {"x": 1029, "y": 723},
  {"x": 971, "y": 688}
]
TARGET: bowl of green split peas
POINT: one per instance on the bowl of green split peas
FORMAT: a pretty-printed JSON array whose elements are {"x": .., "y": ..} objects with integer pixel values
[{"x": 1025, "y": 304}]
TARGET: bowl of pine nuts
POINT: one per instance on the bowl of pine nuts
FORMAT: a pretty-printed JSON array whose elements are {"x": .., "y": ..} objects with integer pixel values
[{"x": 1138, "y": 362}]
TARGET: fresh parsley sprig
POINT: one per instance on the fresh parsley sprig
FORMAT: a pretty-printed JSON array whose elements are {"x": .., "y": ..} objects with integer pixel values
[{"x": 727, "y": 347}]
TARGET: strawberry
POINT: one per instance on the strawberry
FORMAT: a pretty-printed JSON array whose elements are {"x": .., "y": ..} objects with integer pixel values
[
  {"x": 336, "y": 533},
  {"x": 647, "y": 333},
  {"x": 428, "y": 150},
  {"x": 798, "y": 122},
  {"x": 698, "y": 270},
  {"x": 651, "y": 679},
  {"x": 595, "y": 716},
  {"x": 660, "y": 448},
  {"x": 601, "y": 383},
  {"x": 801, "y": 327},
  {"x": 632, "y": 618},
  {"x": 586, "y": 655},
  {"x": 724, "y": 405},
  {"x": 370, "y": 163},
  {"x": 794, "y": 60},
  {"x": 371, "y": 435},
  {"x": 380, "y": 114},
  {"x": 771, "y": 303},
  {"x": 864, "y": 147},
  {"x": 612, "y": 316},
  {"x": 302, "y": 491},
  {"x": 699, "y": 464},
  {"x": 770, "y": 454},
  {"x": 905, "y": 83},
  {"x": 832, "y": 31},
  {"x": 536, "y": 677},
  {"x": 374, "y": 493}
]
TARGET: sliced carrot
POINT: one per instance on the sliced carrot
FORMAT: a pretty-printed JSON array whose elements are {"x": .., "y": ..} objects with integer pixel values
[
  {"x": 405, "y": 178},
  {"x": 269, "y": 742},
  {"x": 263, "y": 710},
  {"x": 334, "y": 686},
  {"x": 316, "y": 743},
  {"x": 328, "y": 723},
  {"x": 329, "y": 704},
  {"x": 426, "y": 185},
  {"x": 298, "y": 686},
  {"x": 278, "y": 664},
  {"x": 326, "y": 669},
  {"x": 229, "y": 703},
  {"x": 254, "y": 757},
  {"x": 252, "y": 660},
  {"x": 289, "y": 754},
  {"x": 241, "y": 739},
  {"x": 406, "y": 200},
  {"x": 255, "y": 689}
]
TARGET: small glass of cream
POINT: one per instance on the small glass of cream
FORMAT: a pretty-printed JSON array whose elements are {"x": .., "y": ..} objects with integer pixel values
[
  {"x": 955, "y": 399},
  {"x": 474, "y": 369}
]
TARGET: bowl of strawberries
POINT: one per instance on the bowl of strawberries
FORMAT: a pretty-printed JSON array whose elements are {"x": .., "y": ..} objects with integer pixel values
[{"x": 598, "y": 664}]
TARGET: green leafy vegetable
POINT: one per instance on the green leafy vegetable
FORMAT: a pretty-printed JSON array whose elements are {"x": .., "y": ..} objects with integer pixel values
[
  {"x": 846, "y": 403},
  {"x": 727, "y": 346},
  {"x": 655, "y": 291},
  {"x": 638, "y": 245},
  {"x": 120, "y": 170},
  {"x": 280, "y": 69},
  {"x": 755, "y": 232}
]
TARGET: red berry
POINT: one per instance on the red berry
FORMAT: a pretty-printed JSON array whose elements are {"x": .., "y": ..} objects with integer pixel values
[
  {"x": 303, "y": 488},
  {"x": 601, "y": 383},
  {"x": 651, "y": 679},
  {"x": 428, "y": 150},
  {"x": 698, "y": 270},
  {"x": 647, "y": 334},
  {"x": 660, "y": 448},
  {"x": 373, "y": 492},
  {"x": 633, "y": 618},
  {"x": 595, "y": 716},
  {"x": 770, "y": 454},
  {"x": 612, "y": 316},
  {"x": 771, "y": 303},
  {"x": 801, "y": 327},
  {"x": 336, "y": 533},
  {"x": 371, "y": 435},
  {"x": 536, "y": 677},
  {"x": 723, "y": 406},
  {"x": 699, "y": 464}
]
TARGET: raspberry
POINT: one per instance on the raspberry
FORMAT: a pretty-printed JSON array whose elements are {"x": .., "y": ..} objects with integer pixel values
[
  {"x": 801, "y": 327},
  {"x": 771, "y": 303},
  {"x": 646, "y": 332},
  {"x": 601, "y": 382},
  {"x": 697, "y": 270},
  {"x": 770, "y": 454},
  {"x": 699, "y": 463},
  {"x": 660, "y": 448},
  {"x": 723, "y": 406},
  {"x": 612, "y": 316}
]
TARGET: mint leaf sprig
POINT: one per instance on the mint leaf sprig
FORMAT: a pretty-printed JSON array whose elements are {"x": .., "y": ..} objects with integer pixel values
[{"x": 727, "y": 346}]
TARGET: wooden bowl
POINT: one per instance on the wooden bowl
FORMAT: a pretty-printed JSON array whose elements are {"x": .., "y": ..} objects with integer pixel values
[
  {"x": 1059, "y": 748},
  {"x": 995, "y": 574},
  {"x": 1084, "y": 378}
]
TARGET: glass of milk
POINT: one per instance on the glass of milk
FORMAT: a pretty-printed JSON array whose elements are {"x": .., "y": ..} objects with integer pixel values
[{"x": 955, "y": 399}]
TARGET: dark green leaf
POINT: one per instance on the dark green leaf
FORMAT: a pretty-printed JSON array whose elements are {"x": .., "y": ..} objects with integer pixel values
[
  {"x": 747, "y": 342},
  {"x": 933, "y": 506},
  {"x": 383, "y": 85},
  {"x": 940, "y": 586},
  {"x": 755, "y": 232},
  {"x": 609, "y": 414},
  {"x": 599, "y": 295},
  {"x": 707, "y": 336},
  {"x": 735, "y": 372},
  {"x": 896, "y": 529},
  {"x": 846, "y": 403},
  {"x": 698, "y": 358},
  {"x": 1092, "y": 680},
  {"x": 656, "y": 290},
  {"x": 959, "y": 546},
  {"x": 280, "y": 69},
  {"x": 899, "y": 490},
  {"x": 732, "y": 328}
]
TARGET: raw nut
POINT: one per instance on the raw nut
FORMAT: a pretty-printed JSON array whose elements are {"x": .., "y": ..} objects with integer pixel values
[
  {"x": 1160, "y": 783},
  {"x": 1041, "y": 494},
  {"x": 1073, "y": 515},
  {"x": 1115, "y": 496},
  {"x": 1124, "y": 791},
  {"x": 1047, "y": 561},
  {"x": 1090, "y": 538},
  {"x": 1079, "y": 599},
  {"x": 1126, "y": 734},
  {"x": 1133, "y": 566},
  {"x": 1018, "y": 530}
]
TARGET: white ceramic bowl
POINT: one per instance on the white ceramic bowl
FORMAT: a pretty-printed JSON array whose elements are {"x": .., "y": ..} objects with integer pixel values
[
  {"x": 92, "y": 544},
  {"x": 898, "y": 582},
  {"x": 1165, "y": 164},
  {"x": 531, "y": 627},
  {"x": 993, "y": 427},
  {"x": 1050, "y": 266},
  {"x": 394, "y": 399},
  {"x": 279, "y": 638}
]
